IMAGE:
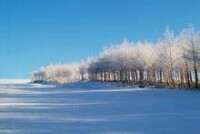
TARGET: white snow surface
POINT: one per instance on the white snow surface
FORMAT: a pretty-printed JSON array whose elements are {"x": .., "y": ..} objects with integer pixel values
[
  {"x": 14, "y": 81},
  {"x": 96, "y": 108}
]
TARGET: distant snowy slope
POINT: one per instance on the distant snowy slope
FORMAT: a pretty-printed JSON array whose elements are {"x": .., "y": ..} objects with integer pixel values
[{"x": 14, "y": 81}]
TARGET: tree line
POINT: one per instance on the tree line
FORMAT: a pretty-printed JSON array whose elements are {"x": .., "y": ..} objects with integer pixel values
[{"x": 172, "y": 61}]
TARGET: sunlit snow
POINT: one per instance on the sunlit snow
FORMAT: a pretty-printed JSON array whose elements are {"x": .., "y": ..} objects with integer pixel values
[{"x": 96, "y": 108}]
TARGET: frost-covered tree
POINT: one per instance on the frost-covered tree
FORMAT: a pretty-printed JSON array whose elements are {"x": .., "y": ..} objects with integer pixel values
[
  {"x": 192, "y": 49},
  {"x": 61, "y": 73},
  {"x": 169, "y": 40}
]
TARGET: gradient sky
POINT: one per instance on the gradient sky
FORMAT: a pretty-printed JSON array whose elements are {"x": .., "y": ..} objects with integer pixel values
[{"x": 34, "y": 33}]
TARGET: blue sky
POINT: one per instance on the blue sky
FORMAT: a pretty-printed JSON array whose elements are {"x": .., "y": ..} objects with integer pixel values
[{"x": 34, "y": 33}]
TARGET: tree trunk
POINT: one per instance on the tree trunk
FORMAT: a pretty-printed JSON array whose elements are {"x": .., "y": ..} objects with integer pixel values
[
  {"x": 141, "y": 75},
  {"x": 196, "y": 77},
  {"x": 190, "y": 76},
  {"x": 161, "y": 73},
  {"x": 105, "y": 76}
]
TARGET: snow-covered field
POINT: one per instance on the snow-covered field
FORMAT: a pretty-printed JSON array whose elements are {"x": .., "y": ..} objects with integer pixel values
[{"x": 96, "y": 108}]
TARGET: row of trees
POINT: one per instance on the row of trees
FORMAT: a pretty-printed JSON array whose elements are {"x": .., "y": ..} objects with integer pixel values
[{"x": 172, "y": 60}]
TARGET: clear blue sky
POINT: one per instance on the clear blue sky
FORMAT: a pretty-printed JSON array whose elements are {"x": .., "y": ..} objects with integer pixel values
[{"x": 34, "y": 33}]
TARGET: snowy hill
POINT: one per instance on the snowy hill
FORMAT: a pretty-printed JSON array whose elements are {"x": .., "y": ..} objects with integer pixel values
[{"x": 89, "y": 107}]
